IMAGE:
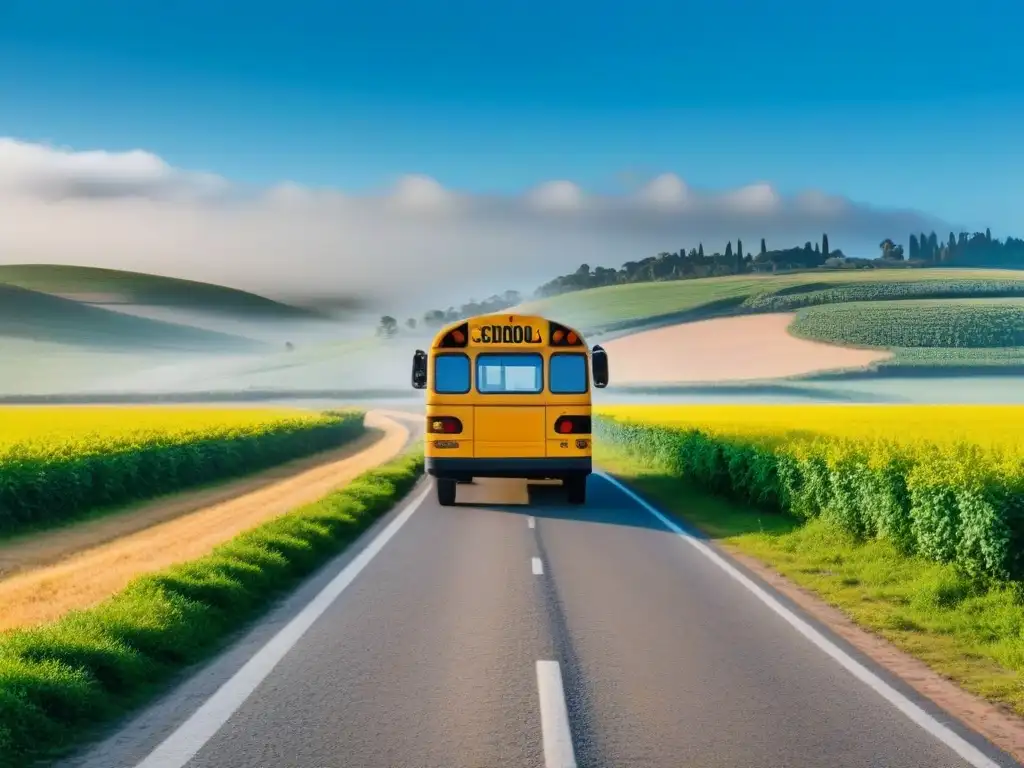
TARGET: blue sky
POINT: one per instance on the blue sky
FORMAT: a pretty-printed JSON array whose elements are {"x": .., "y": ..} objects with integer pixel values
[{"x": 890, "y": 102}]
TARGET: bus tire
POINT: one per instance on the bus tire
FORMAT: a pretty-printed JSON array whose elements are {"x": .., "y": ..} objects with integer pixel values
[
  {"x": 446, "y": 491},
  {"x": 576, "y": 489}
]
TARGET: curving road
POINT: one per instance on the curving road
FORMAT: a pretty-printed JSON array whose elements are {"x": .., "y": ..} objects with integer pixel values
[{"x": 541, "y": 636}]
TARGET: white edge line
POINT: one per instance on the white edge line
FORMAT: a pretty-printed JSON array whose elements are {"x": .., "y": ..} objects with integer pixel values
[
  {"x": 554, "y": 717},
  {"x": 183, "y": 744},
  {"x": 531, "y": 521},
  {"x": 943, "y": 733},
  {"x": 538, "y": 567}
]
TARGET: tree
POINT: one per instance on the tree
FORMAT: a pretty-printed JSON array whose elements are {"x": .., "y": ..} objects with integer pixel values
[
  {"x": 807, "y": 246},
  {"x": 824, "y": 245},
  {"x": 388, "y": 326},
  {"x": 764, "y": 248},
  {"x": 411, "y": 323},
  {"x": 887, "y": 247},
  {"x": 728, "y": 250},
  {"x": 915, "y": 249},
  {"x": 817, "y": 248},
  {"x": 739, "y": 248},
  {"x": 700, "y": 250},
  {"x": 988, "y": 235},
  {"x": 434, "y": 318}
]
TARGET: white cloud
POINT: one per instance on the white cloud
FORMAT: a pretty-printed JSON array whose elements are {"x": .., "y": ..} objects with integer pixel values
[
  {"x": 667, "y": 190},
  {"x": 57, "y": 173},
  {"x": 757, "y": 198},
  {"x": 421, "y": 193},
  {"x": 418, "y": 244},
  {"x": 556, "y": 196}
]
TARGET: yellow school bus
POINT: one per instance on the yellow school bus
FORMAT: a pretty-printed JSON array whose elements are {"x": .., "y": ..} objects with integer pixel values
[{"x": 509, "y": 396}]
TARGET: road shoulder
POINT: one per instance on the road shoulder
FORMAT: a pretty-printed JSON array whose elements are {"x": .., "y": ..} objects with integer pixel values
[{"x": 1005, "y": 730}]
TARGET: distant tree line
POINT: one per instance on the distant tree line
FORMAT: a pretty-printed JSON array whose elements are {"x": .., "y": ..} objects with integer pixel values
[
  {"x": 694, "y": 263},
  {"x": 978, "y": 249}
]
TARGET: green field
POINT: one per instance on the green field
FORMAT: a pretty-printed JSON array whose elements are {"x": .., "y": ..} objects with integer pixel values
[
  {"x": 638, "y": 304},
  {"x": 110, "y": 286},
  {"x": 963, "y": 323}
]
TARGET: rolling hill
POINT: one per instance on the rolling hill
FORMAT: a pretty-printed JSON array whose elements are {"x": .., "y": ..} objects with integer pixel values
[
  {"x": 90, "y": 285},
  {"x": 41, "y": 317},
  {"x": 937, "y": 320},
  {"x": 618, "y": 309}
]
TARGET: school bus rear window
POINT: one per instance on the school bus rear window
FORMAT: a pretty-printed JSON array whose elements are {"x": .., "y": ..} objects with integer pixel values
[
  {"x": 451, "y": 374},
  {"x": 508, "y": 374},
  {"x": 568, "y": 374}
]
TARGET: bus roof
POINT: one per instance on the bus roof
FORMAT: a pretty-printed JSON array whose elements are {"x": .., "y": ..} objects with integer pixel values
[{"x": 503, "y": 318}]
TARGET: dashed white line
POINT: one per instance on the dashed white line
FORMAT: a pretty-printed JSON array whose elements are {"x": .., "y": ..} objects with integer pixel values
[
  {"x": 183, "y": 744},
  {"x": 538, "y": 567},
  {"x": 946, "y": 735},
  {"x": 531, "y": 522},
  {"x": 554, "y": 717}
]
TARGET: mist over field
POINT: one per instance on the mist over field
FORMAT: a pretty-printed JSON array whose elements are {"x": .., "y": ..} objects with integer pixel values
[{"x": 402, "y": 249}]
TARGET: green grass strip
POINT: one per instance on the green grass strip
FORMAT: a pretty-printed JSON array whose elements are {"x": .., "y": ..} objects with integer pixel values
[{"x": 61, "y": 682}]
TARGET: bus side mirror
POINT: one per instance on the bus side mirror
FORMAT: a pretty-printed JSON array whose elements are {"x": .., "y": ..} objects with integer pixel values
[
  {"x": 419, "y": 370},
  {"x": 599, "y": 362}
]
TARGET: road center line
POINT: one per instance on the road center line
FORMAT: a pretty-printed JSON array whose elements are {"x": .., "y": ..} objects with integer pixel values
[
  {"x": 183, "y": 744},
  {"x": 538, "y": 567},
  {"x": 554, "y": 717},
  {"x": 943, "y": 733},
  {"x": 531, "y": 522}
]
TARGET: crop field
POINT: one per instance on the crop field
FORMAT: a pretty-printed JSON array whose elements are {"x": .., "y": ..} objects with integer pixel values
[
  {"x": 57, "y": 463},
  {"x": 981, "y": 323},
  {"x": 942, "y": 482},
  {"x": 601, "y": 307}
]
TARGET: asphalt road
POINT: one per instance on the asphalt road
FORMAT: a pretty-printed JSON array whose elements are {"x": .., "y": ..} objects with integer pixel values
[{"x": 537, "y": 636}]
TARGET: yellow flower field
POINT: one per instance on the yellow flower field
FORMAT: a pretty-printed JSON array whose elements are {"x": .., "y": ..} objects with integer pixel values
[
  {"x": 987, "y": 425},
  {"x": 35, "y": 427},
  {"x": 943, "y": 482},
  {"x": 56, "y": 462}
]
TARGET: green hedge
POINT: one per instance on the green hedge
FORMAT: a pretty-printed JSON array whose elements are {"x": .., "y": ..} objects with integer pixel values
[
  {"x": 61, "y": 681},
  {"x": 956, "y": 504},
  {"x": 37, "y": 490}
]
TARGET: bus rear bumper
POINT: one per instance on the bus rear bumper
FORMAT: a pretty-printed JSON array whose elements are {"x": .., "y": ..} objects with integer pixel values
[{"x": 543, "y": 468}]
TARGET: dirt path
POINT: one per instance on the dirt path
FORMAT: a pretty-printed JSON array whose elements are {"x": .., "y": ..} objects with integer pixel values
[
  {"x": 727, "y": 349},
  {"x": 72, "y": 568}
]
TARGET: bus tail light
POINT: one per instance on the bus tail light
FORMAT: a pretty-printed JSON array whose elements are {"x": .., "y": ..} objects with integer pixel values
[
  {"x": 564, "y": 337},
  {"x": 445, "y": 425},
  {"x": 573, "y": 425},
  {"x": 456, "y": 337}
]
